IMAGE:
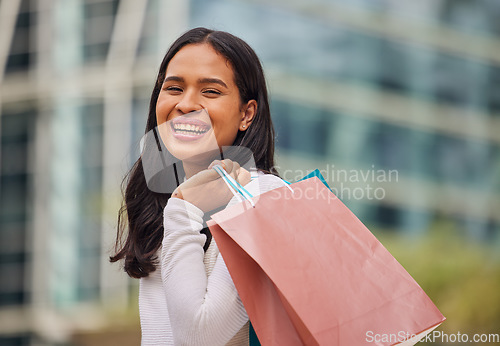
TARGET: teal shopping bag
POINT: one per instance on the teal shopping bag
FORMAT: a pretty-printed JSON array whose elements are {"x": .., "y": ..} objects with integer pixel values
[{"x": 316, "y": 173}]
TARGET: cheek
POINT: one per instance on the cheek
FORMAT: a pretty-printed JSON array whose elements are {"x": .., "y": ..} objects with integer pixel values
[
  {"x": 226, "y": 119},
  {"x": 162, "y": 110},
  {"x": 226, "y": 129}
]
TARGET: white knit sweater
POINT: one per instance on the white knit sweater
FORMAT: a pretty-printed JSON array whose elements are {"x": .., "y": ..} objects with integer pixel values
[{"x": 190, "y": 298}]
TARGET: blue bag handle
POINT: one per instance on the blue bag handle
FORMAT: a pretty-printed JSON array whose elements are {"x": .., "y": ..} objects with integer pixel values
[
  {"x": 236, "y": 188},
  {"x": 233, "y": 185}
]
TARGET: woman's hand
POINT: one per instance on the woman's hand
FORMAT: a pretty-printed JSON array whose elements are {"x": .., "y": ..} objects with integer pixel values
[{"x": 207, "y": 190}]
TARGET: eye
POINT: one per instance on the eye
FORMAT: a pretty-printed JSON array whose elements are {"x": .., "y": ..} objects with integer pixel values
[
  {"x": 173, "y": 89},
  {"x": 212, "y": 92}
]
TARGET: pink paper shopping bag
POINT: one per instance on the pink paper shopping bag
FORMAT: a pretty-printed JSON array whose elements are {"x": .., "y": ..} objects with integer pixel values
[{"x": 309, "y": 272}]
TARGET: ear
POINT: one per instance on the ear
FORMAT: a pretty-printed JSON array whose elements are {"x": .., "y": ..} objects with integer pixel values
[{"x": 247, "y": 114}]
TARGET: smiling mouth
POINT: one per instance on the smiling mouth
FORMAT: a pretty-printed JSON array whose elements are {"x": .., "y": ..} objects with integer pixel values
[{"x": 189, "y": 129}]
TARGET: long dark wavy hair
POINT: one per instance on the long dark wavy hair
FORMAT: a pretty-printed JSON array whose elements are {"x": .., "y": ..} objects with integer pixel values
[{"x": 140, "y": 219}]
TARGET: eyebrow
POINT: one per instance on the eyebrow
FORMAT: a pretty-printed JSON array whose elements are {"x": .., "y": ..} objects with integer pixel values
[
  {"x": 173, "y": 78},
  {"x": 201, "y": 80},
  {"x": 212, "y": 81}
]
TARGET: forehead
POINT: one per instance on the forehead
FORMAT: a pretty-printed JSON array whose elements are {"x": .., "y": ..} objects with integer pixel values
[{"x": 199, "y": 60}]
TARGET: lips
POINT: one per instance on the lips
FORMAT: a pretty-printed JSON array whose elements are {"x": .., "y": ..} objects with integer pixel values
[{"x": 188, "y": 129}]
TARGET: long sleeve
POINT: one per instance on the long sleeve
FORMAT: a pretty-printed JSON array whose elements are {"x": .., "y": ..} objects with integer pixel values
[
  {"x": 202, "y": 311},
  {"x": 186, "y": 301}
]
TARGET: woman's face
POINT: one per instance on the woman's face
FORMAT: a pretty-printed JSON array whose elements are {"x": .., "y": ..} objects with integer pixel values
[{"x": 198, "y": 81}]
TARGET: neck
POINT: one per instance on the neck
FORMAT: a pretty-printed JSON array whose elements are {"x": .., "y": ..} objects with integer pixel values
[
  {"x": 191, "y": 168},
  {"x": 199, "y": 163}
]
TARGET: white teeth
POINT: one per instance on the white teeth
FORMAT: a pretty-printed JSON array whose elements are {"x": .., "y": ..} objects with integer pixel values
[{"x": 189, "y": 129}]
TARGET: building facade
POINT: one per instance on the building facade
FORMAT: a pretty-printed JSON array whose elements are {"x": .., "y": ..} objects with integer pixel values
[{"x": 397, "y": 102}]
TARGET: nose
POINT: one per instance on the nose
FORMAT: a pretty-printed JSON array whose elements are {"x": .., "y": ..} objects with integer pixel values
[{"x": 189, "y": 103}]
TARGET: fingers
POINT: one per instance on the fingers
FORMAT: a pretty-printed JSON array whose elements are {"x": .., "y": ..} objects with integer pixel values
[
  {"x": 214, "y": 163},
  {"x": 234, "y": 169},
  {"x": 207, "y": 190},
  {"x": 227, "y": 164},
  {"x": 244, "y": 176}
]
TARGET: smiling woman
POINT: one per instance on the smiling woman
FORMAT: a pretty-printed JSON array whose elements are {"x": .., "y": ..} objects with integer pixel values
[
  {"x": 198, "y": 77},
  {"x": 210, "y": 93}
]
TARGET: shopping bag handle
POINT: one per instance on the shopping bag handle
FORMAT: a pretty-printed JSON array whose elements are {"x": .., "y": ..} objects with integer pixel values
[{"x": 237, "y": 189}]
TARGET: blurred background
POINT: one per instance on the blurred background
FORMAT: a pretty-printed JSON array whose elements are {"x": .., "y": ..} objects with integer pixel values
[{"x": 400, "y": 97}]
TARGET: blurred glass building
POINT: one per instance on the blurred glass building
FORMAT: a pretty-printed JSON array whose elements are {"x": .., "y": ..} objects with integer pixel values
[{"x": 400, "y": 99}]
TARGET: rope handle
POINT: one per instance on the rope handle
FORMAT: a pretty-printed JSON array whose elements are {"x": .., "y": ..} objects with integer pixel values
[{"x": 236, "y": 188}]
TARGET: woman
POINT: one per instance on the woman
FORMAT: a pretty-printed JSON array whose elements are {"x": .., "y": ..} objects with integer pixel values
[{"x": 186, "y": 293}]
